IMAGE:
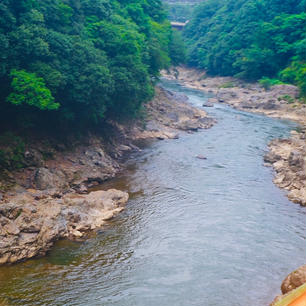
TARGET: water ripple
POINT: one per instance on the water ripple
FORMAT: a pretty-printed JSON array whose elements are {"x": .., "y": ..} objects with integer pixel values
[{"x": 195, "y": 232}]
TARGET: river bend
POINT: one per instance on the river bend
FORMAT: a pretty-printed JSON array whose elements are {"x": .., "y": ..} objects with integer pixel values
[{"x": 213, "y": 232}]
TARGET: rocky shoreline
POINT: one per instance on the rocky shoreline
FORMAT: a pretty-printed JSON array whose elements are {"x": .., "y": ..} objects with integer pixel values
[
  {"x": 280, "y": 101},
  {"x": 50, "y": 199},
  {"x": 286, "y": 156}
]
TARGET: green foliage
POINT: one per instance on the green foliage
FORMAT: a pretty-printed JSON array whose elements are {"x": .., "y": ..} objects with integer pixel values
[
  {"x": 267, "y": 83},
  {"x": 296, "y": 74},
  {"x": 287, "y": 98},
  {"x": 179, "y": 12},
  {"x": 177, "y": 48},
  {"x": 12, "y": 149},
  {"x": 249, "y": 39},
  {"x": 31, "y": 90},
  {"x": 97, "y": 58},
  {"x": 159, "y": 45}
]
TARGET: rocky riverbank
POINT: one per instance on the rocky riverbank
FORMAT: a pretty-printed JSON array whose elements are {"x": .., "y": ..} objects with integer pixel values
[
  {"x": 280, "y": 101},
  {"x": 287, "y": 156},
  {"x": 49, "y": 199}
]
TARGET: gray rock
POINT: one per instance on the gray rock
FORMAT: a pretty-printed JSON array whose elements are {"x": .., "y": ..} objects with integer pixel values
[
  {"x": 270, "y": 105},
  {"x": 296, "y": 160},
  {"x": 190, "y": 125},
  {"x": 247, "y": 105},
  {"x": 44, "y": 179},
  {"x": 285, "y": 89},
  {"x": 271, "y": 158},
  {"x": 33, "y": 158},
  {"x": 201, "y": 157},
  {"x": 207, "y": 104},
  {"x": 38, "y": 224}
]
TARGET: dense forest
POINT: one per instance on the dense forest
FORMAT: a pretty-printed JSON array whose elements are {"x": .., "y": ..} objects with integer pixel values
[
  {"x": 73, "y": 63},
  {"x": 250, "y": 39},
  {"x": 179, "y": 12},
  {"x": 68, "y": 63}
]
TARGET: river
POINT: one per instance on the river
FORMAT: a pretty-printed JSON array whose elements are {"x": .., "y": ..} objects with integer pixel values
[{"x": 213, "y": 232}]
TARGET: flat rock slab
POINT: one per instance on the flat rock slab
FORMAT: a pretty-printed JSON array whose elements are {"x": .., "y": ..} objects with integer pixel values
[{"x": 29, "y": 227}]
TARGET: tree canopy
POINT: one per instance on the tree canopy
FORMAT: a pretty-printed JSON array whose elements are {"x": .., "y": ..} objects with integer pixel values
[
  {"x": 77, "y": 62},
  {"x": 250, "y": 39}
]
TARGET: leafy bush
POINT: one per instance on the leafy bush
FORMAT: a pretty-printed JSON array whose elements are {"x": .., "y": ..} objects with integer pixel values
[
  {"x": 287, "y": 98},
  {"x": 267, "y": 83},
  {"x": 177, "y": 48},
  {"x": 296, "y": 74}
]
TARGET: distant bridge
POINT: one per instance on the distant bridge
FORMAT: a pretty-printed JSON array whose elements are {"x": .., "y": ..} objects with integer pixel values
[{"x": 179, "y": 25}]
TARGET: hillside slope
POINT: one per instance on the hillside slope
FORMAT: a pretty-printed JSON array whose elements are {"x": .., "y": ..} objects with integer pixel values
[{"x": 250, "y": 39}]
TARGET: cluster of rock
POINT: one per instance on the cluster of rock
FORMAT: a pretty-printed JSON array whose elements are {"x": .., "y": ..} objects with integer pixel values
[
  {"x": 294, "y": 280},
  {"x": 280, "y": 101},
  {"x": 30, "y": 223},
  {"x": 49, "y": 198},
  {"x": 170, "y": 112},
  {"x": 288, "y": 158}
]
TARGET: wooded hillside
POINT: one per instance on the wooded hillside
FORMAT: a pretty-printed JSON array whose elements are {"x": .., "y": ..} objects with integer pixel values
[{"x": 251, "y": 39}]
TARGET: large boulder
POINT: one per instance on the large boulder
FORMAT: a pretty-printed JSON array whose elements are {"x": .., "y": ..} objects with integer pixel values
[
  {"x": 296, "y": 160},
  {"x": 33, "y": 158},
  {"x": 45, "y": 179},
  {"x": 294, "y": 280},
  {"x": 285, "y": 89}
]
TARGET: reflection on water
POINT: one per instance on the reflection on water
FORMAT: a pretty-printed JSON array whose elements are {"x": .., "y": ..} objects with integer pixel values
[{"x": 195, "y": 232}]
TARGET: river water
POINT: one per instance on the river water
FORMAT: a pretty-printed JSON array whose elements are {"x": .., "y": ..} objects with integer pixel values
[{"x": 213, "y": 232}]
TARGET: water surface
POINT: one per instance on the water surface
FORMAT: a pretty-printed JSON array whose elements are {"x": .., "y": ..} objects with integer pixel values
[{"x": 213, "y": 232}]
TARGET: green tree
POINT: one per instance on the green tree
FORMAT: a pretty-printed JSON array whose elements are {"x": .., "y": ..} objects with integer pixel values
[
  {"x": 177, "y": 48},
  {"x": 30, "y": 89}
]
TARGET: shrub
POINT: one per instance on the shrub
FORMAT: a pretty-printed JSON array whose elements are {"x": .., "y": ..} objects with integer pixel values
[{"x": 267, "y": 83}]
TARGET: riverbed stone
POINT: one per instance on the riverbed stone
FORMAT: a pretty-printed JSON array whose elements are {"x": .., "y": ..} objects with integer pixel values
[
  {"x": 38, "y": 224},
  {"x": 208, "y": 104},
  {"x": 294, "y": 280},
  {"x": 200, "y": 156}
]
